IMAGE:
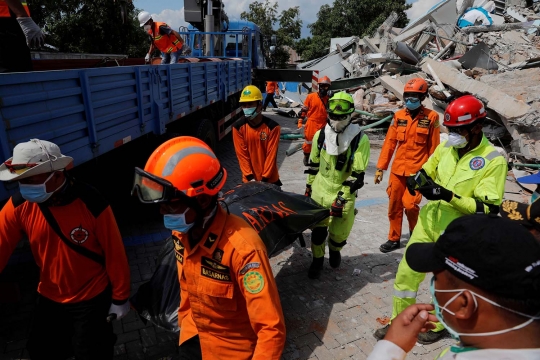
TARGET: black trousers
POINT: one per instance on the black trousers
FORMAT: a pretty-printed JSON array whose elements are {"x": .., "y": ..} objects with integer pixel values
[
  {"x": 60, "y": 331},
  {"x": 14, "y": 53},
  {"x": 269, "y": 99}
]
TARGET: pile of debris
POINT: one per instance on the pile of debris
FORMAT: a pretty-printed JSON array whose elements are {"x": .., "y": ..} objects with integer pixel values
[{"x": 490, "y": 49}]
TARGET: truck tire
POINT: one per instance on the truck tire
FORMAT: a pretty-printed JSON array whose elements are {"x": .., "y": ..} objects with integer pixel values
[{"x": 206, "y": 132}]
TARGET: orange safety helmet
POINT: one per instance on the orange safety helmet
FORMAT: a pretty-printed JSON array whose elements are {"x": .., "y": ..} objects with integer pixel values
[
  {"x": 416, "y": 85},
  {"x": 464, "y": 111},
  {"x": 325, "y": 80},
  {"x": 181, "y": 167}
]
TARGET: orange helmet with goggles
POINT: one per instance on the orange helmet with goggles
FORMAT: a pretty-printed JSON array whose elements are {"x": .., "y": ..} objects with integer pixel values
[
  {"x": 416, "y": 85},
  {"x": 181, "y": 167},
  {"x": 463, "y": 111}
]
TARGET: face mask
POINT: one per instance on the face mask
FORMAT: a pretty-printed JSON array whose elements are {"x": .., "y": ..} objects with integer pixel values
[
  {"x": 36, "y": 193},
  {"x": 457, "y": 141},
  {"x": 177, "y": 222},
  {"x": 412, "y": 103},
  {"x": 339, "y": 125},
  {"x": 147, "y": 27},
  {"x": 455, "y": 334},
  {"x": 534, "y": 197},
  {"x": 250, "y": 113},
  {"x": 323, "y": 92}
]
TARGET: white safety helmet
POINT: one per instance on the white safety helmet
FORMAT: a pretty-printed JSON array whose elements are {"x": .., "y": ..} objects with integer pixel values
[{"x": 144, "y": 16}]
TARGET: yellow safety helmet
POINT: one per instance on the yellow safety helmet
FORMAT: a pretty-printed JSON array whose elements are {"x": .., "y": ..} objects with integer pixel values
[{"x": 251, "y": 93}]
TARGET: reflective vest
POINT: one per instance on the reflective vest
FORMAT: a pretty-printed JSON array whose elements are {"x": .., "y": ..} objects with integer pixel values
[
  {"x": 4, "y": 9},
  {"x": 165, "y": 43}
]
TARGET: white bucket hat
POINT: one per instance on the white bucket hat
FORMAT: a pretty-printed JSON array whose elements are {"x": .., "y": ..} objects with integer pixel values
[{"x": 33, "y": 158}]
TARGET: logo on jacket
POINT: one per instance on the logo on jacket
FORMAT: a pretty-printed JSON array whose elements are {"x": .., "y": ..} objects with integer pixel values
[
  {"x": 263, "y": 136},
  {"x": 79, "y": 235},
  {"x": 477, "y": 163},
  {"x": 218, "y": 255}
]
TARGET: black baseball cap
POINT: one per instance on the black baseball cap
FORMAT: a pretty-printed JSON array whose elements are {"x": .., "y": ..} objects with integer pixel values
[
  {"x": 525, "y": 214},
  {"x": 494, "y": 254}
]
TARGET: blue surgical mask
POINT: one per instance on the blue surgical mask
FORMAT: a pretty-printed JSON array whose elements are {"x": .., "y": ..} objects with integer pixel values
[
  {"x": 412, "y": 103},
  {"x": 250, "y": 113},
  {"x": 534, "y": 196},
  {"x": 36, "y": 193},
  {"x": 455, "y": 334},
  {"x": 177, "y": 222}
]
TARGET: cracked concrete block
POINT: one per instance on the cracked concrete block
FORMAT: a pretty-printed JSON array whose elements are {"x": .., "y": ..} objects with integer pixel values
[{"x": 505, "y": 105}]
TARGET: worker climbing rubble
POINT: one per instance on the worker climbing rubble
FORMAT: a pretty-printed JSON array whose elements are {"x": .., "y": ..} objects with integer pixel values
[
  {"x": 465, "y": 175},
  {"x": 337, "y": 164},
  {"x": 415, "y": 134},
  {"x": 314, "y": 112}
]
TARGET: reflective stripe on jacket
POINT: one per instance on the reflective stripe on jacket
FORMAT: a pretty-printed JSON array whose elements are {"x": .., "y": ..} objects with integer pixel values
[
  {"x": 165, "y": 43},
  {"x": 4, "y": 9}
]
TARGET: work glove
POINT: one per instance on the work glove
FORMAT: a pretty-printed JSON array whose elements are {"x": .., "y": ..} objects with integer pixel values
[
  {"x": 378, "y": 176},
  {"x": 32, "y": 32},
  {"x": 411, "y": 185},
  {"x": 118, "y": 311},
  {"x": 147, "y": 58},
  {"x": 414, "y": 181},
  {"x": 357, "y": 184},
  {"x": 336, "y": 210},
  {"x": 186, "y": 50},
  {"x": 308, "y": 190},
  {"x": 299, "y": 123},
  {"x": 436, "y": 192}
]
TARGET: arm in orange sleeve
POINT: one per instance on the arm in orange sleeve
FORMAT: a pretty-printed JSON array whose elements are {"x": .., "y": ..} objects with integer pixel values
[
  {"x": 435, "y": 134},
  {"x": 242, "y": 154},
  {"x": 116, "y": 262},
  {"x": 389, "y": 146},
  {"x": 10, "y": 232},
  {"x": 271, "y": 153},
  {"x": 258, "y": 286}
]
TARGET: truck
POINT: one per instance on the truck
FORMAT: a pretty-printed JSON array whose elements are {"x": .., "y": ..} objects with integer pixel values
[{"x": 89, "y": 112}]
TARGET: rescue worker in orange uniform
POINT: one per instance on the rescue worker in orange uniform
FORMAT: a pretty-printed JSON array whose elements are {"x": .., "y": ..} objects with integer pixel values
[
  {"x": 415, "y": 133},
  {"x": 165, "y": 39},
  {"x": 229, "y": 306},
  {"x": 84, "y": 272},
  {"x": 18, "y": 32},
  {"x": 272, "y": 89},
  {"x": 256, "y": 140},
  {"x": 314, "y": 111}
]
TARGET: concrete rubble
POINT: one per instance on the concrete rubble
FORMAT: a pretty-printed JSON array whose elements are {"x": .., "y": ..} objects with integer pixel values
[{"x": 490, "y": 49}]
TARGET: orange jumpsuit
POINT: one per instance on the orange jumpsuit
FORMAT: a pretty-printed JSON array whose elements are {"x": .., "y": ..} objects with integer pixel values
[
  {"x": 65, "y": 275},
  {"x": 315, "y": 110},
  {"x": 416, "y": 139},
  {"x": 228, "y": 293},
  {"x": 256, "y": 149}
]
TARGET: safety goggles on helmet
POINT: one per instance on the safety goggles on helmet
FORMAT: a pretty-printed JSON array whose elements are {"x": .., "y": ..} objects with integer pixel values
[
  {"x": 152, "y": 189},
  {"x": 340, "y": 107}
]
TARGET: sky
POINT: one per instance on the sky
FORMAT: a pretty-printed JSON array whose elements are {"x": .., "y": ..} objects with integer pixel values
[{"x": 172, "y": 12}]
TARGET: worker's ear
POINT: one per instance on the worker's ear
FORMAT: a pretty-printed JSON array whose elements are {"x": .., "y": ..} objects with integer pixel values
[{"x": 466, "y": 306}]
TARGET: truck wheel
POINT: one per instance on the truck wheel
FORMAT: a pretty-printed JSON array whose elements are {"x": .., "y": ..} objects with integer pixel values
[{"x": 207, "y": 133}]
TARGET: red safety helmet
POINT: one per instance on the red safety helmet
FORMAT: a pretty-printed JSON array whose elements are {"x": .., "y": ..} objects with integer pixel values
[
  {"x": 325, "y": 80},
  {"x": 464, "y": 111},
  {"x": 181, "y": 168},
  {"x": 416, "y": 85}
]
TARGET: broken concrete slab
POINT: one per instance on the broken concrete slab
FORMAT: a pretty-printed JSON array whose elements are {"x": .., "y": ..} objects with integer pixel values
[
  {"x": 505, "y": 105},
  {"x": 412, "y": 32}
]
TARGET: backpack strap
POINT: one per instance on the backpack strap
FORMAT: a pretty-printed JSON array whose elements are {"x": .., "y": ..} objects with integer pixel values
[{"x": 354, "y": 146}]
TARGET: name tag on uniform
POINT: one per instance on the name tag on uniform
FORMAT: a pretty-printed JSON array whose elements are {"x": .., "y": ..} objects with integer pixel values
[
  {"x": 214, "y": 270},
  {"x": 423, "y": 123},
  {"x": 402, "y": 122}
]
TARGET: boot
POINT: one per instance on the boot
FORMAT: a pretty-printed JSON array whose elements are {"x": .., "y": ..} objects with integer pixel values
[
  {"x": 316, "y": 267},
  {"x": 379, "y": 334},
  {"x": 335, "y": 258},
  {"x": 390, "y": 246},
  {"x": 430, "y": 337}
]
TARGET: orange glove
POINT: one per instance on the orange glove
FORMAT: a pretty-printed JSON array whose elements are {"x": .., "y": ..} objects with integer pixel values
[{"x": 299, "y": 123}]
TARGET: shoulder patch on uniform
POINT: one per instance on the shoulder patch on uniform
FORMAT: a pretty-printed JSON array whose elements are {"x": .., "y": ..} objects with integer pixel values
[
  {"x": 423, "y": 123},
  {"x": 477, "y": 163},
  {"x": 263, "y": 135},
  {"x": 253, "y": 265},
  {"x": 253, "y": 282},
  {"x": 218, "y": 255},
  {"x": 402, "y": 122},
  {"x": 210, "y": 241}
]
